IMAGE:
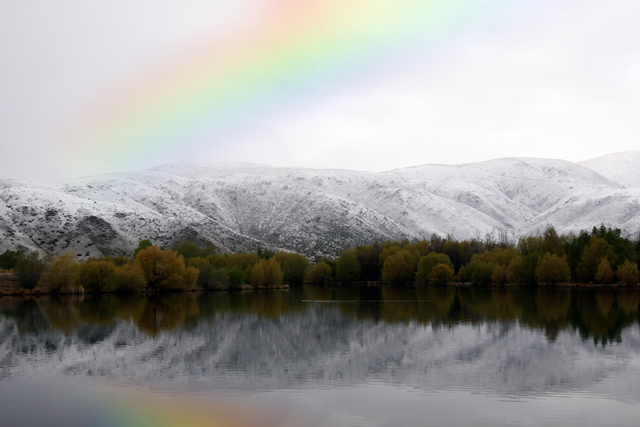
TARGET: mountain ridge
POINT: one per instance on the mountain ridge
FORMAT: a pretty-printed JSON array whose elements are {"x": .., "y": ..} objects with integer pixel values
[{"x": 316, "y": 212}]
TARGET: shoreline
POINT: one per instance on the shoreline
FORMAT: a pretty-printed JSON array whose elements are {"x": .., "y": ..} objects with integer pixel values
[{"x": 9, "y": 287}]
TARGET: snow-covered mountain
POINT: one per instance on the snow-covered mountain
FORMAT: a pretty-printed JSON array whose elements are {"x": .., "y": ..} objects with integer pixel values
[
  {"x": 622, "y": 168},
  {"x": 242, "y": 206}
]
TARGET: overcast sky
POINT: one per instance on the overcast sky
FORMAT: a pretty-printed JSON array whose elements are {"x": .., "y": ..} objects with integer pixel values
[{"x": 545, "y": 78}]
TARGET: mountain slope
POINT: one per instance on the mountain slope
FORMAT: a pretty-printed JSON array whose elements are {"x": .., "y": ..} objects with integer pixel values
[
  {"x": 622, "y": 168},
  {"x": 239, "y": 207}
]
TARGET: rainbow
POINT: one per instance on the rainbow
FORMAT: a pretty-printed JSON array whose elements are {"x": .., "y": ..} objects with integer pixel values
[
  {"x": 125, "y": 407},
  {"x": 301, "y": 50}
]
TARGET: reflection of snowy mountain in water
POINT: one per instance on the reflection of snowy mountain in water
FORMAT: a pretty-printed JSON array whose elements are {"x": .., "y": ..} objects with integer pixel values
[{"x": 320, "y": 345}]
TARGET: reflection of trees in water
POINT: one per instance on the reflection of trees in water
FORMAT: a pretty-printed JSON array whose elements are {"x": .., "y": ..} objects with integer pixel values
[
  {"x": 628, "y": 300},
  {"x": 130, "y": 308},
  {"x": 166, "y": 312},
  {"x": 598, "y": 314},
  {"x": 553, "y": 308},
  {"x": 442, "y": 298},
  {"x": 478, "y": 304},
  {"x": 268, "y": 304},
  {"x": 553, "y": 304},
  {"x": 425, "y": 305},
  {"x": 397, "y": 309},
  {"x": 605, "y": 300},
  {"x": 26, "y": 314},
  {"x": 70, "y": 313},
  {"x": 505, "y": 306},
  {"x": 364, "y": 302},
  {"x": 62, "y": 312},
  {"x": 98, "y": 310}
]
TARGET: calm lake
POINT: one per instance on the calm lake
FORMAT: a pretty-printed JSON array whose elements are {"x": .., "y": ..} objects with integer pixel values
[{"x": 320, "y": 356}]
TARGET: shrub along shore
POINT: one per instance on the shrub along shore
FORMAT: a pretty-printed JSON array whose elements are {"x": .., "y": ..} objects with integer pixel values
[{"x": 600, "y": 257}]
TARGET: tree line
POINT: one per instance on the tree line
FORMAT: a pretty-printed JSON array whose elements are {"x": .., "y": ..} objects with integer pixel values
[
  {"x": 601, "y": 315},
  {"x": 184, "y": 266},
  {"x": 600, "y": 256}
]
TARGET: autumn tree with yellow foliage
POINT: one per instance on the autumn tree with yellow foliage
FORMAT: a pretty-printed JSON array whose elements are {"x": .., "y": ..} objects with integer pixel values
[
  {"x": 165, "y": 270},
  {"x": 267, "y": 273}
]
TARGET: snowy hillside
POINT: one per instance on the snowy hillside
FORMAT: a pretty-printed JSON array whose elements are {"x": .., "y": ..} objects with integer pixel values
[
  {"x": 316, "y": 212},
  {"x": 622, "y": 168}
]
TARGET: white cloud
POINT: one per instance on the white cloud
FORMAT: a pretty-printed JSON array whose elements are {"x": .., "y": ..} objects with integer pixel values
[
  {"x": 558, "y": 84},
  {"x": 547, "y": 78}
]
